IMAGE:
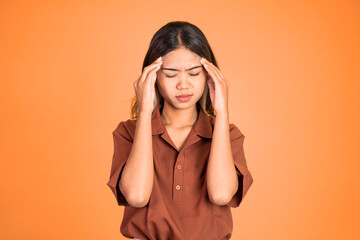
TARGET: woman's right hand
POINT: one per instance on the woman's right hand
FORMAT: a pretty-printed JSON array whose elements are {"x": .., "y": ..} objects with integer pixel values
[{"x": 145, "y": 87}]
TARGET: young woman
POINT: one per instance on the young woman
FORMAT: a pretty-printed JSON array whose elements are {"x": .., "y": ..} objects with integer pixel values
[{"x": 178, "y": 164}]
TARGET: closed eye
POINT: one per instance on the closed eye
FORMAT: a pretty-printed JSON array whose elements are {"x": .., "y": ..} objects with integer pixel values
[{"x": 175, "y": 75}]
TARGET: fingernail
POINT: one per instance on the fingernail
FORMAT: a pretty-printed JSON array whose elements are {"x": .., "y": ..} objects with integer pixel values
[
  {"x": 202, "y": 60},
  {"x": 159, "y": 59}
]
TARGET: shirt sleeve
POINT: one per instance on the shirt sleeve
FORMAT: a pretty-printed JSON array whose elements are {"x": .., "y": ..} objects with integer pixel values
[
  {"x": 245, "y": 179},
  {"x": 122, "y": 148}
]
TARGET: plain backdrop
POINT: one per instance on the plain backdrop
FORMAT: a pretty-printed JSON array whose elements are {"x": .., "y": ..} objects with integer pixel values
[{"x": 66, "y": 74}]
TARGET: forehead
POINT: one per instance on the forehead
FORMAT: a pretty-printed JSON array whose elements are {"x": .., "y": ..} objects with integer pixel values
[{"x": 180, "y": 59}]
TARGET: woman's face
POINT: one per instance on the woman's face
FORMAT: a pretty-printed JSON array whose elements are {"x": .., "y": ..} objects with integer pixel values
[{"x": 181, "y": 73}]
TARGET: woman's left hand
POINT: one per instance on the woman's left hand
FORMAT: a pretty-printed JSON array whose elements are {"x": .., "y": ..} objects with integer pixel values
[{"x": 218, "y": 87}]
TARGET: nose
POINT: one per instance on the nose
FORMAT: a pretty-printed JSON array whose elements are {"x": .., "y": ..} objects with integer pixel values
[{"x": 183, "y": 82}]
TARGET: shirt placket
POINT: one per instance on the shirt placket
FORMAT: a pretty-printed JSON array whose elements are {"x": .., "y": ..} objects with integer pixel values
[
  {"x": 178, "y": 171},
  {"x": 178, "y": 186}
]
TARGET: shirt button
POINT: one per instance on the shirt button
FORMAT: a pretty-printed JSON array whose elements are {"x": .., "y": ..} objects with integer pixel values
[
  {"x": 179, "y": 166},
  {"x": 177, "y": 187}
]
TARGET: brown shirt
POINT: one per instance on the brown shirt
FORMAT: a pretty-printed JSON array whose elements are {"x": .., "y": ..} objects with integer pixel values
[{"x": 179, "y": 207}]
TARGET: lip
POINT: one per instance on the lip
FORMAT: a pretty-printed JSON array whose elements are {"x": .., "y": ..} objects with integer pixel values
[{"x": 184, "y": 97}]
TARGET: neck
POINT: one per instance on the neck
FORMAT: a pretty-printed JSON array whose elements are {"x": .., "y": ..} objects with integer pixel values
[{"x": 178, "y": 118}]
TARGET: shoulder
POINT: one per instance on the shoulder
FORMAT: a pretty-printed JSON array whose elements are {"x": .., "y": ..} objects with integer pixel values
[
  {"x": 126, "y": 129},
  {"x": 235, "y": 131}
]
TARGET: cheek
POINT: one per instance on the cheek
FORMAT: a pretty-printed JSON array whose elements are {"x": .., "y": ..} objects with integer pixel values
[
  {"x": 200, "y": 85},
  {"x": 163, "y": 84},
  {"x": 202, "y": 81}
]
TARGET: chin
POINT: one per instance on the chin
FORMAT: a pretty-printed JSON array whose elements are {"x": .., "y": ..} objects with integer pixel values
[{"x": 184, "y": 105}]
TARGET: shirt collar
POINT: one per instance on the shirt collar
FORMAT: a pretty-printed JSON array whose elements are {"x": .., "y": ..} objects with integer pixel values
[{"x": 202, "y": 127}]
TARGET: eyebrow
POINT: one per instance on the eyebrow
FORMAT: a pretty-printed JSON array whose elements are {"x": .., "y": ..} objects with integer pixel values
[{"x": 173, "y": 69}]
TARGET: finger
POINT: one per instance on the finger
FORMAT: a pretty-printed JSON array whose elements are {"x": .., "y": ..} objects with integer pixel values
[
  {"x": 149, "y": 68},
  {"x": 158, "y": 60},
  {"x": 216, "y": 68},
  {"x": 210, "y": 65},
  {"x": 216, "y": 78},
  {"x": 212, "y": 69},
  {"x": 152, "y": 66},
  {"x": 152, "y": 73}
]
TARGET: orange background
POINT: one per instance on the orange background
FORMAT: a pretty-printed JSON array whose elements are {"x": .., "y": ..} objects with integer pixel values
[{"x": 66, "y": 70}]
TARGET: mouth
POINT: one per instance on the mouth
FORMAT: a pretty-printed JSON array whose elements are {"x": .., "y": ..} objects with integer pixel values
[{"x": 184, "y": 95}]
